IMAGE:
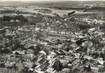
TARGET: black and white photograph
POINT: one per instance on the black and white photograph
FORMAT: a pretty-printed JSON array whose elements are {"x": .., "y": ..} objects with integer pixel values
[{"x": 52, "y": 36}]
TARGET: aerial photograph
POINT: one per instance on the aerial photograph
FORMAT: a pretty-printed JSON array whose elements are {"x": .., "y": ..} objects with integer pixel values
[{"x": 52, "y": 36}]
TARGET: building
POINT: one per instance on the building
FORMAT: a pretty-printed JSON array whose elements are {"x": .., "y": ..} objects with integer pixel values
[{"x": 13, "y": 20}]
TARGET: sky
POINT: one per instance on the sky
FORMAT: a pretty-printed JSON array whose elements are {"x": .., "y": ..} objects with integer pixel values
[{"x": 52, "y": 0}]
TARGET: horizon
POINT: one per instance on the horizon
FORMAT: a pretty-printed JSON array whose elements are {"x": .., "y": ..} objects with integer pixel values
[{"x": 44, "y": 0}]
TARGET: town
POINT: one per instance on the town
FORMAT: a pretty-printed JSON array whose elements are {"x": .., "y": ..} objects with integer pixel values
[{"x": 48, "y": 38}]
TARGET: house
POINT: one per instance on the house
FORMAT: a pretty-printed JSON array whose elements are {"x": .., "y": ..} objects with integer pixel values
[{"x": 13, "y": 20}]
